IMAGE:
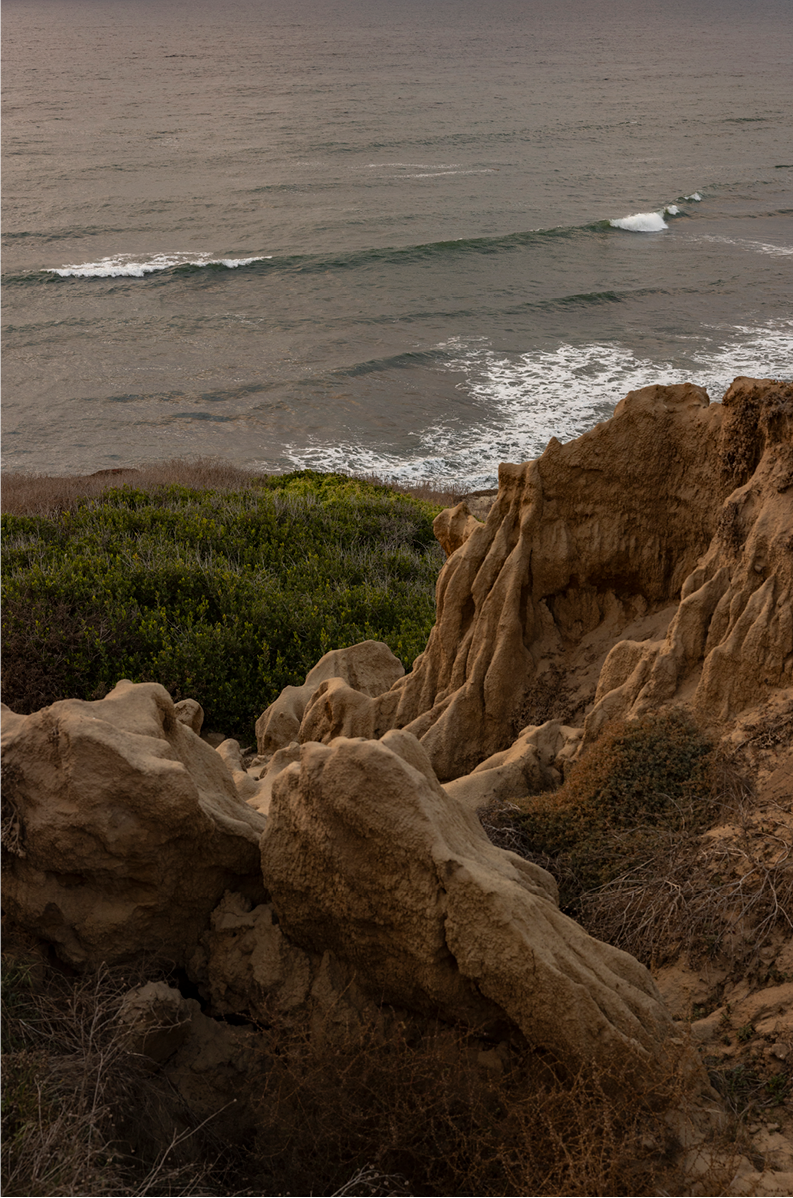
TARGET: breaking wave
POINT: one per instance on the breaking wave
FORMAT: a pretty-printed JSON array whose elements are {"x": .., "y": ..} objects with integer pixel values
[
  {"x": 125, "y": 266},
  {"x": 130, "y": 266},
  {"x": 641, "y": 222}
]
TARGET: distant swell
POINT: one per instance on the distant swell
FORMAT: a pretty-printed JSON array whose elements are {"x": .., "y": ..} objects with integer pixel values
[{"x": 131, "y": 267}]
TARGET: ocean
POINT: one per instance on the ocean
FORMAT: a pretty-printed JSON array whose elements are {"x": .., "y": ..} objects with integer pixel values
[{"x": 417, "y": 238}]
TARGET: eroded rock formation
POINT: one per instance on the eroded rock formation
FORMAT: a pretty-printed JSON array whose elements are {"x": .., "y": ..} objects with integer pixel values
[
  {"x": 369, "y": 668},
  {"x": 661, "y": 539},
  {"x": 122, "y": 827},
  {"x": 731, "y": 639},
  {"x": 366, "y": 855},
  {"x": 648, "y": 562}
]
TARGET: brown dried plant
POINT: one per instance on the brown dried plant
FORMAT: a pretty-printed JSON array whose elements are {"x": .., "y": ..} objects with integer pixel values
[
  {"x": 82, "y": 1114},
  {"x": 46, "y": 495}
]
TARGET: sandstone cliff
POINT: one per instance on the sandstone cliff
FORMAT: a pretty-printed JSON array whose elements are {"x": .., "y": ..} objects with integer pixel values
[{"x": 648, "y": 563}]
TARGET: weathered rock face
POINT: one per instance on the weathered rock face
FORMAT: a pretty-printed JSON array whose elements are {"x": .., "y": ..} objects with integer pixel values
[
  {"x": 731, "y": 639},
  {"x": 210, "y": 1064},
  {"x": 369, "y": 668},
  {"x": 366, "y": 856},
  {"x": 532, "y": 763},
  {"x": 590, "y": 549},
  {"x": 121, "y": 828},
  {"x": 244, "y": 962},
  {"x": 454, "y": 526}
]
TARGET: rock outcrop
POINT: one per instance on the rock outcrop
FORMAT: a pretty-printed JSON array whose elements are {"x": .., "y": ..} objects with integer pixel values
[
  {"x": 662, "y": 538},
  {"x": 453, "y": 527},
  {"x": 367, "y": 856},
  {"x": 731, "y": 639},
  {"x": 208, "y": 1063},
  {"x": 647, "y": 563},
  {"x": 369, "y": 669},
  {"x": 534, "y": 762},
  {"x": 122, "y": 828}
]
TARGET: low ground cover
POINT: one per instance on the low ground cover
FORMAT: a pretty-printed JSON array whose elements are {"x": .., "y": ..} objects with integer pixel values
[
  {"x": 222, "y": 595},
  {"x": 630, "y": 837},
  {"x": 619, "y": 803},
  {"x": 393, "y": 1108}
]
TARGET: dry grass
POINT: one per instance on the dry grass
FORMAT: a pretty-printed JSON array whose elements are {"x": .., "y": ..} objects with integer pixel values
[
  {"x": 717, "y": 900},
  {"x": 418, "y": 1105},
  {"x": 395, "y": 1106},
  {"x": 47, "y": 495},
  {"x": 720, "y": 893},
  {"x": 82, "y": 1114}
]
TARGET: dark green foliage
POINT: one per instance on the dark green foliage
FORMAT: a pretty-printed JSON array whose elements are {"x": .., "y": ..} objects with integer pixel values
[
  {"x": 225, "y": 597},
  {"x": 638, "y": 783}
]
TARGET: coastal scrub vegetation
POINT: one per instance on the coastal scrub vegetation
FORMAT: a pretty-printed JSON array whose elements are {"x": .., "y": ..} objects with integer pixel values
[
  {"x": 387, "y": 1108},
  {"x": 640, "y": 779},
  {"x": 222, "y": 595},
  {"x": 629, "y": 836}
]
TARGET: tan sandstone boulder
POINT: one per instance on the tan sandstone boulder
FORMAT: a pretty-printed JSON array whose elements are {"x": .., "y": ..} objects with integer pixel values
[
  {"x": 366, "y": 856},
  {"x": 262, "y": 792},
  {"x": 210, "y": 1064},
  {"x": 369, "y": 668},
  {"x": 121, "y": 827},
  {"x": 191, "y": 713},
  {"x": 453, "y": 527},
  {"x": 531, "y": 764}
]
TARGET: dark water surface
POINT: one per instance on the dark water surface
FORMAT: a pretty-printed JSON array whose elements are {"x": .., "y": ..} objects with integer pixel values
[{"x": 378, "y": 235}]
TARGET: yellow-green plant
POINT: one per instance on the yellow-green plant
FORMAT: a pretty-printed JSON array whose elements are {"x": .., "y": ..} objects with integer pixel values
[{"x": 221, "y": 596}]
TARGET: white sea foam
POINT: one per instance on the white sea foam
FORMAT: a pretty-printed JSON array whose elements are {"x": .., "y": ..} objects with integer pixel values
[
  {"x": 125, "y": 266},
  {"x": 527, "y": 400},
  {"x": 641, "y": 222},
  {"x": 418, "y": 166},
  {"x": 671, "y": 210},
  {"x": 487, "y": 170},
  {"x": 758, "y": 247},
  {"x": 694, "y": 196}
]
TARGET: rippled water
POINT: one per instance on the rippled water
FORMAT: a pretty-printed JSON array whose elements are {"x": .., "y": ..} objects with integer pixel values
[{"x": 416, "y": 237}]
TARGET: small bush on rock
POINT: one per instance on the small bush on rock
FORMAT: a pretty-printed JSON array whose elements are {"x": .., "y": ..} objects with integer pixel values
[{"x": 637, "y": 782}]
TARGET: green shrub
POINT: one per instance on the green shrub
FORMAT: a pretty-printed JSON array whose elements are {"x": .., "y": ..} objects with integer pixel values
[{"x": 225, "y": 597}]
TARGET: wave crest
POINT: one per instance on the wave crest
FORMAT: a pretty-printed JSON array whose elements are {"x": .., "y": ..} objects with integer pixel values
[
  {"x": 124, "y": 265},
  {"x": 641, "y": 222}
]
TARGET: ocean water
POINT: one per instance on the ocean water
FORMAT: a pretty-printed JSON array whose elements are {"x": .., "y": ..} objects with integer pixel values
[{"x": 418, "y": 237}]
